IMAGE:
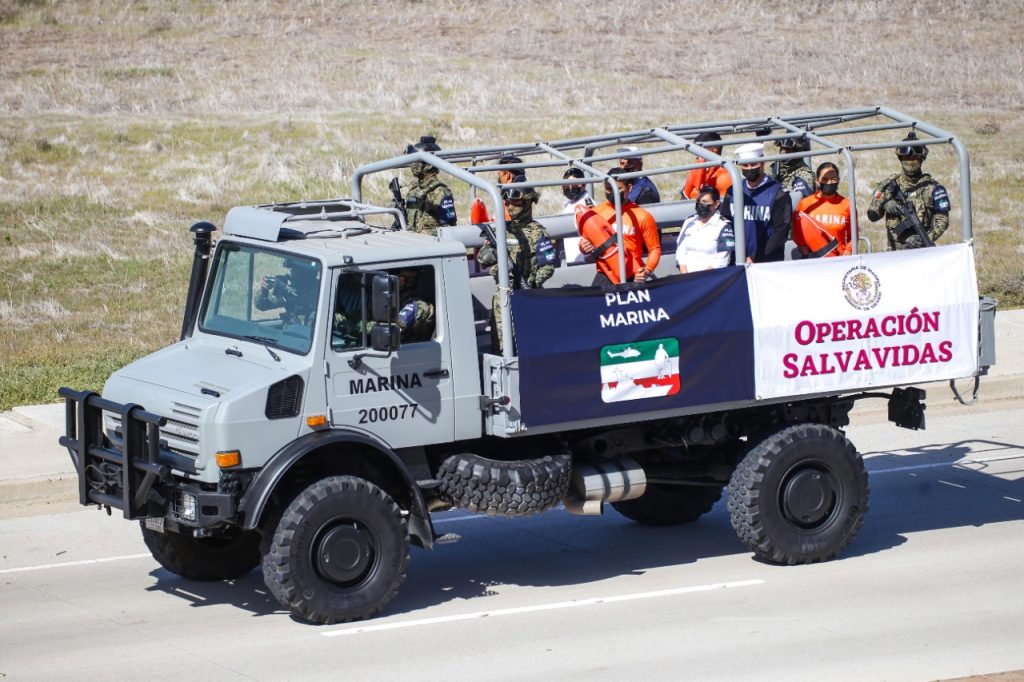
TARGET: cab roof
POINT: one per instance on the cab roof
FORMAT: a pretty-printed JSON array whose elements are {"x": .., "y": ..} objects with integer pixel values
[{"x": 334, "y": 231}]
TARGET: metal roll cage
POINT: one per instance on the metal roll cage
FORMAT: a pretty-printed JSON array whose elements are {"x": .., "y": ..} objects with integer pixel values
[{"x": 820, "y": 128}]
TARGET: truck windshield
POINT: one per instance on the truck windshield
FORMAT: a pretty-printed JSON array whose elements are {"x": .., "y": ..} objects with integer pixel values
[{"x": 265, "y": 295}]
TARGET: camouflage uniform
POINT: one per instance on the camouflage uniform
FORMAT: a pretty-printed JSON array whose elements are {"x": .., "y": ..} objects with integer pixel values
[
  {"x": 415, "y": 322},
  {"x": 928, "y": 199},
  {"x": 429, "y": 204},
  {"x": 795, "y": 176},
  {"x": 296, "y": 296},
  {"x": 531, "y": 250}
]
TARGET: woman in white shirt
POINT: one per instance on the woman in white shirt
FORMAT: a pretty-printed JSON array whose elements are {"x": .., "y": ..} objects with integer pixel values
[{"x": 706, "y": 240}]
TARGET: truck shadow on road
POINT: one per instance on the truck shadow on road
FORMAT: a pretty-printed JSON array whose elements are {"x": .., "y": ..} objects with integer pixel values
[
  {"x": 949, "y": 485},
  {"x": 969, "y": 483}
]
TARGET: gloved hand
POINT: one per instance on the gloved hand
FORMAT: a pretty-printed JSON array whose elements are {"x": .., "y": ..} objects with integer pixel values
[{"x": 891, "y": 208}]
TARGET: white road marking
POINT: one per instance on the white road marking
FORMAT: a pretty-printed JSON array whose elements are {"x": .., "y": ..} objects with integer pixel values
[
  {"x": 539, "y": 607},
  {"x": 457, "y": 519},
  {"x": 935, "y": 465},
  {"x": 84, "y": 562}
]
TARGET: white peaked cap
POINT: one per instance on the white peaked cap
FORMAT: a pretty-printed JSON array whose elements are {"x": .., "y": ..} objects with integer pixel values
[
  {"x": 629, "y": 153},
  {"x": 750, "y": 153}
]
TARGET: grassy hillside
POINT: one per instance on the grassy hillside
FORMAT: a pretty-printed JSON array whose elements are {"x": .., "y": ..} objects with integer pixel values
[{"x": 123, "y": 123}]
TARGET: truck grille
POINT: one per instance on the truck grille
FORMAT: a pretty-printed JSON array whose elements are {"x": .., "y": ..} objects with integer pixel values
[{"x": 181, "y": 432}]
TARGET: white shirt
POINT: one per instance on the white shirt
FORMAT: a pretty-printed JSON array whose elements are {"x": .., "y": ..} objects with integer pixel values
[
  {"x": 569, "y": 206},
  {"x": 699, "y": 245}
]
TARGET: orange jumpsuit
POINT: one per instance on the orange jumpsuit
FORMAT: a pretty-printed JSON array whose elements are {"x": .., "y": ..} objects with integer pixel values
[
  {"x": 639, "y": 231},
  {"x": 715, "y": 176},
  {"x": 833, "y": 214}
]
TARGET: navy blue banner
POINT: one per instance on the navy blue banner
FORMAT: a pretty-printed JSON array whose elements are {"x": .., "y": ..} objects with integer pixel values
[{"x": 681, "y": 341}]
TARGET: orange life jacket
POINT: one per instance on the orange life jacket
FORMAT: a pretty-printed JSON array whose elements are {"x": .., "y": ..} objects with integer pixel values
[
  {"x": 599, "y": 232},
  {"x": 810, "y": 233},
  {"x": 478, "y": 212}
]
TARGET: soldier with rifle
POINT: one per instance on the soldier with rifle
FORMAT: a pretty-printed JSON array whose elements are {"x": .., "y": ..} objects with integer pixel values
[
  {"x": 532, "y": 254},
  {"x": 428, "y": 202},
  {"x": 915, "y": 206}
]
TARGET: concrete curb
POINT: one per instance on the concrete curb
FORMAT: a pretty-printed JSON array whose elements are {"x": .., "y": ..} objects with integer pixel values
[{"x": 37, "y": 476}]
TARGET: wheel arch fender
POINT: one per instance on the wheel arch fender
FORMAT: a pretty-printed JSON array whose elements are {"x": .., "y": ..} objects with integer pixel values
[{"x": 318, "y": 444}]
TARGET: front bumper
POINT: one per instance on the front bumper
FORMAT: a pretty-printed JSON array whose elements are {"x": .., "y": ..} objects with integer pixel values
[{"x": 135, "y": 474}]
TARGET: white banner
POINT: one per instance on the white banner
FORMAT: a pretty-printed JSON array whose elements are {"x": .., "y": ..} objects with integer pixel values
[{"x": 857, "y": 322}]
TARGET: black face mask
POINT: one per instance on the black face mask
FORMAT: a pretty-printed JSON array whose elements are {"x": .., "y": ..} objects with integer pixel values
[
  {"x": 703, "y": 210},
  {"x": 751, "y": 174},
  {"x": 829, "y": 188},
  {"x": 572, "y": 192}
]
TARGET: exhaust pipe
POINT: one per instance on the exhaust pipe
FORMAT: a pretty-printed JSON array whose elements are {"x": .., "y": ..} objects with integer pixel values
[
  {"x": 593, "y": 485},
  {"x": 200, "y": 263}
]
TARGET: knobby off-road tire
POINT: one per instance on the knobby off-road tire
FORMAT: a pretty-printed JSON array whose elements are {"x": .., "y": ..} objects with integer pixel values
[
  {"x": 800, "y": 495},
  {"x": 339, "y": 552},
  {"x": 212, "y": 558},
  {"x": 498, "y": 488},
  {"x": 667, "y": 505}
]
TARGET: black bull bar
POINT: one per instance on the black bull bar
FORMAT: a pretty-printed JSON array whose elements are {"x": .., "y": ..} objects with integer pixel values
[{"x": 118, "y": 477}]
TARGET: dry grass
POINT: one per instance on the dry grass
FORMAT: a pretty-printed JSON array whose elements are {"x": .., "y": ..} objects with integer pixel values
[{"x": 122, "y": 123}]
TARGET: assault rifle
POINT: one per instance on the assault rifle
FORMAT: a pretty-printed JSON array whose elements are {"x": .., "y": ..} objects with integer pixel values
[
  {"x": 909, "y": 219},
  {"x": 399, "y": 202},
  {"x": 488, "y": 235}
]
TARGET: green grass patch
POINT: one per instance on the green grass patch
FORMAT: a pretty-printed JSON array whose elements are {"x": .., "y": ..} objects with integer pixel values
[{"x": 28, "y": 384}]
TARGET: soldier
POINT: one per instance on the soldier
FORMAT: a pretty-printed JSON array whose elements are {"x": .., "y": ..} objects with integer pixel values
[
  {"x": 795, "y": 176},
  {"x": 428, "y": 201},
  {"x": 295, "y": 292},
  {"x": 530, "y": 249},
  {"x": 910, "y": 193},
  {"x": 415, "y": 315}
]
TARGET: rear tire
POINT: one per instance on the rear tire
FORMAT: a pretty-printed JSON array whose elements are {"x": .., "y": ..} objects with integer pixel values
[
  {"x": 667, "y": 505},
  {"x": 211, "y": 558},
  {"x": 800, "y": 495},
  {"x": 339, "y": 552}
]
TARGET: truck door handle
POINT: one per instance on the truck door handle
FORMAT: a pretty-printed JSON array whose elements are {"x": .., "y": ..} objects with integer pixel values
[{"x": 437, "y": 374}]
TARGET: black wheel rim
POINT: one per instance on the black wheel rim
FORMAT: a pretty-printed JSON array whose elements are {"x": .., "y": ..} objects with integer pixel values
[
  {"x": 810, "y": 496},
  {"x": 345, "y": 553}
]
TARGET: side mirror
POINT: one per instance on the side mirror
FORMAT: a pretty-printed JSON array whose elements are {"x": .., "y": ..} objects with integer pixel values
[
  {"x": 384, "y": 299},
  {"x": 385, "y": 338}
]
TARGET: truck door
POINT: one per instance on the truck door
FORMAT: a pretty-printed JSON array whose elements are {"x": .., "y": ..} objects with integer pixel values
[{"x": 406, "y": 398}]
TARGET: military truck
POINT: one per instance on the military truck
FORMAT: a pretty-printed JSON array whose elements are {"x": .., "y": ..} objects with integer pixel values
[{"x": 335, "y": 384}]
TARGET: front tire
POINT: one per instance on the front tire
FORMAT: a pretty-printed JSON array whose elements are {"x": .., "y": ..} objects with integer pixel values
[
  {"x": 219, "y": 557},
  {"x": 667, "y": 505},
  {"x": 339, "y": 552},
  {"x": 800, "y": 495}
]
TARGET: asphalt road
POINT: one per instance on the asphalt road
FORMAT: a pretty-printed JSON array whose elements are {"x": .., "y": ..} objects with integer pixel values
[{"x": 933, "y": 587}]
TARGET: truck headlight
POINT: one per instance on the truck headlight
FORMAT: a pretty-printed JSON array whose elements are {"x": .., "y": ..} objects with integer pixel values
[{"x": 186, "y": 506}]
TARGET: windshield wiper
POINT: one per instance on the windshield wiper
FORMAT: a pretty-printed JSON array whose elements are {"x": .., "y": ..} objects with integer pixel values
[{"x": 266, "y": 341}]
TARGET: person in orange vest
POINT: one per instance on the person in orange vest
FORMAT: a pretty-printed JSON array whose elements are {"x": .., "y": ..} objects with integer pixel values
[
  {"x": 715, "y": 176},
  {"x": 821, "y": 221},
  {"x": 639, "y": 231}
]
